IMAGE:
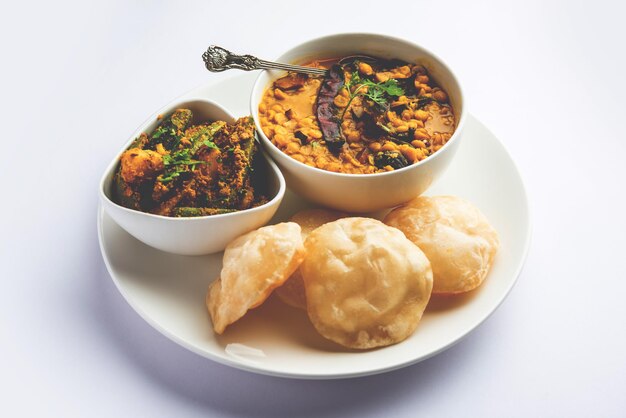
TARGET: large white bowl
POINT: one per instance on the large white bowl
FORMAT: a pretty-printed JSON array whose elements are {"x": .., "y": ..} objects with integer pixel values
[
  {"x": 198, "y": 235},
  {"x": 363, "y": 192}
]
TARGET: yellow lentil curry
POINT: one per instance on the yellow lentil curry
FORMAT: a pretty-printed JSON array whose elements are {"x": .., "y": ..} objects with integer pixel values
[{"x": 367, "y": 115}]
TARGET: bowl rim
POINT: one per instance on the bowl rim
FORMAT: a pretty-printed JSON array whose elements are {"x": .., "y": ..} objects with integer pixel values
[
  {"x": 166, "y": 109},
  {"x": 314, "y": 170}
]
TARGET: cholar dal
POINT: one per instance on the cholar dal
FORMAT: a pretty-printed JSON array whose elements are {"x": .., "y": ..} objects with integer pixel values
[{"x": 367, "y": 116}]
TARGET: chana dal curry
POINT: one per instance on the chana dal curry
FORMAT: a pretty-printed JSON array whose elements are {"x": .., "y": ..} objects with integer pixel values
[{"x": 367, "y": 115}]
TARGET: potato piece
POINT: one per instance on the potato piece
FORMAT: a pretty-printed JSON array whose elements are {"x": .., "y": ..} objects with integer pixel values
[
  {"x": 292, "y": 292},
  {"x": 366, "y": 284},
  {"x": 455, "y": 236},
  {"x": 138, "y": 165},
  {"x": 254, "y": 264}
]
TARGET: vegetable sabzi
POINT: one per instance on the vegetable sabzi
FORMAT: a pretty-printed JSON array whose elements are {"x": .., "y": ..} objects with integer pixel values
[{"x": 185, "y": 170}]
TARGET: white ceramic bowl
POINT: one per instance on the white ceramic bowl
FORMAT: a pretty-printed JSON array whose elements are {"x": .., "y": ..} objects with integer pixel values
[
  {"x": 363, "y": 192},
  {"x": 198, "y": 235}
]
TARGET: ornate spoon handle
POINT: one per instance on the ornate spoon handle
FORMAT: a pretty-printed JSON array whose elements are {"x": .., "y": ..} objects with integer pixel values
[{"x": 218, "y": 59}]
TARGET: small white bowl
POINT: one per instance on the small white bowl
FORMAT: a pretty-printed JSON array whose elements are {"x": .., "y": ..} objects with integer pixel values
[
  {"x": 363, "y": 192},
  {"x": 197, "y": 235}
]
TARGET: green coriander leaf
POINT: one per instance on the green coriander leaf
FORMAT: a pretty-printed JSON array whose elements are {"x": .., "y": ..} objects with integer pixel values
[
  {"x": 210, "y": 144},
  {"x": 158, "y": 132},
  {"x": 194, "y": 162},
  {"x": 379, "y": 93},
  {"x": 179, "y": 158},
  {"x": 376, "y": 94},
  {"x": 169, "y": 177},
  {"x": 392, "y": 88},
  {"x": 161, "y": 130},
  {"x": 354, "y": 80}
]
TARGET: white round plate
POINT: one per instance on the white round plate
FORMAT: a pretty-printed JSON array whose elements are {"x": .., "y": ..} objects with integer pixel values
[{"x": 168, "y": 290}]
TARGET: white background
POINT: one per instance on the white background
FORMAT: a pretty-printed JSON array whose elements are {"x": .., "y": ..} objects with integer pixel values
[{"x": 548, "y": 78}]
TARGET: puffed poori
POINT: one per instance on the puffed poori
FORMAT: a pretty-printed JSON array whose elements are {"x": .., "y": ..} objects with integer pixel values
[
  {"x": 455, "y": 236},
  {"x": 254, "y": 264},
  {"x": 366, "y": 284},
  {"x": 292, "y": 291}
]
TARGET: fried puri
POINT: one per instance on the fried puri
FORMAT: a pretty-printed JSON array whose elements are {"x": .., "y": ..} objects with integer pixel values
[
  {"x": 455, "y": 236},
  {"x": 253, "y": 266},
  {"x": 292, "y": 292},
  {"x": 366, "y": 284}
]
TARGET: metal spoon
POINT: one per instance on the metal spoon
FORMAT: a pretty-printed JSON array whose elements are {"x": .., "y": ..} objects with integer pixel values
[{"x": 218, "y": 59}]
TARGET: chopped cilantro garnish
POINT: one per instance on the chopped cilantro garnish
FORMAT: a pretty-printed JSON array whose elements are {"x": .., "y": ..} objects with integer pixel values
[
  {"x": 177, "y": 163},
  {"x": 379, "y": 93},
  {"x": 210, "y": 144}
]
